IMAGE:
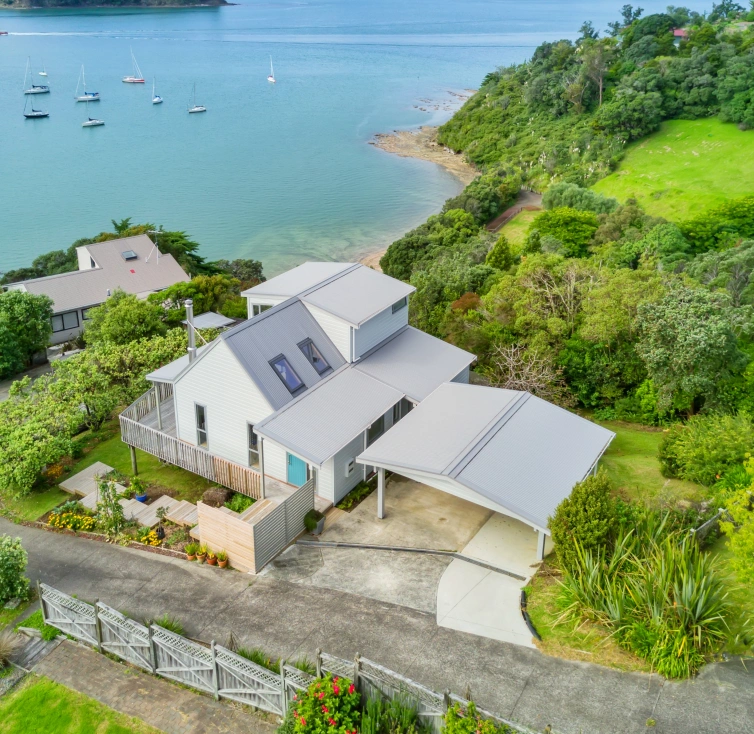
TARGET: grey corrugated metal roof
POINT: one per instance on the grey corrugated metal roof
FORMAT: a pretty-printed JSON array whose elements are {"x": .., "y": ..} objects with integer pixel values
[
  {"x": 277, "y": 331},
  {"x": 330, "y": 416},
  {"x": 298, "y": 280},
  {"x": 517, "y": 450},
  {"x": 83, "y": 288},
  {"x": 168, "y": 372},
  {"x": 415, "y": 363},
  {"x": 357, "y": 294},
  {"x": 211, "y": 320}
]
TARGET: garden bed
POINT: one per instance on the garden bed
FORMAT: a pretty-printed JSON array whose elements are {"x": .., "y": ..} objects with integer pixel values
[{"x": 357, "y": 495}]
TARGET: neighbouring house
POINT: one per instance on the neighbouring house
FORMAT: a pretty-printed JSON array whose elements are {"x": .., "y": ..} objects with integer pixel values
[
  {"x": 327, "y": 383},
  {"x": 133, "y": 264}
]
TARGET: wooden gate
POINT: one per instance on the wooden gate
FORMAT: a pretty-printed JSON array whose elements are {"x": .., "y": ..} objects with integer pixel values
[
  {"x": 125, "y": 638},
  {"x": 75, "y": 618},
  {"x": 182, "y": 660},
  {"x": 242, "y": 680}
]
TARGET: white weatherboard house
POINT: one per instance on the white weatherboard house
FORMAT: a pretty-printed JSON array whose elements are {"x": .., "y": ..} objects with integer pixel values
[
  {"x": 326, "y": 382},
  {"x": 132, "y": 264}
]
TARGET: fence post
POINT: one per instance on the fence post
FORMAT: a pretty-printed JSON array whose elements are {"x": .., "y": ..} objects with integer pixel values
[
  {"x": 318, "y": 662},
  {"x": 152, "y": 651},
  {"x": 215, "y": 683},
  {"x": 356, "y": 669},
  {"x": 446, "y": 700},
  {"x": 41, "y": 601},
  {"x": 284, "y": 700},
  {"x": 97, "y": 626}
]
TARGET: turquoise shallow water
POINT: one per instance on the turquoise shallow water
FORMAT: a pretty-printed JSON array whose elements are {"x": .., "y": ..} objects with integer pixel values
[{"x": 278, "y": 172}]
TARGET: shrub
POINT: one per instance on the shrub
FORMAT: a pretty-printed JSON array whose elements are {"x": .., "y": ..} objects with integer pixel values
[
  {"x": 361, "y": 491},
  {"x": 740, "y": 528},
  {"x": 500, "y": 256},
  {"x": 13, "y": 560},
  {"x": 260, "y": 657},
  {"x": 585, "y": 519},
  {"x": 168, "y": 622},
  {"x": 706, "y": 447},
  {"x": 329, "y": 705},
  {"x": 9, "y": 643},
  {"x": 311, "y": 519},
  {"x": 77, "y": 521},
  {"x": 396, "y": 716},
  {"x": 216, "y": 496},
  {"x": 469, "y": 721},
  {"x": 571, "y": 227},
  {"x": 239, "y": 502},
  {"x": 148, "y": 536},
  {"x": 574, "y": 196}
]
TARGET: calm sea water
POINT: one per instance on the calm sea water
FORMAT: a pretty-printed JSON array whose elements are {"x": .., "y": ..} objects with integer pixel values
[{"x": 281, "y": 172}]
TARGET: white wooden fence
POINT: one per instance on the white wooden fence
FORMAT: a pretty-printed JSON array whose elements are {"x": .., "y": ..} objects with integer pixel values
[{"x": 225, "y": 674}]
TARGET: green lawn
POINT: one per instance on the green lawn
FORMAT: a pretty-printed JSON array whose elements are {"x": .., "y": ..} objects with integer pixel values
[
  {"x": 685, "y": 167},
  {"x": 631, "y": 462},
  {"x": 516, "y": 229},
  {"x": 41, "y": 705},
  {"x": 37, "y": 503},
  {"x": 113, "y": 452}
]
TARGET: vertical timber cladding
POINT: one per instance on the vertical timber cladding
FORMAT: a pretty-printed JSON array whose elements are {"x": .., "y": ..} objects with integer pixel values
[{"x": 236, "y": 477}]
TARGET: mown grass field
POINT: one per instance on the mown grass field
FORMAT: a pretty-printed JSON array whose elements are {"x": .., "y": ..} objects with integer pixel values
[
  {"x": 41, "y": 705},
  {"x": 684, "y": 168},
  {"x": 516, "y": 229}
]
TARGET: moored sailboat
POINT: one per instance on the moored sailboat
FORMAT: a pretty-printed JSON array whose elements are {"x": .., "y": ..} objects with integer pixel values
[
  {"x": 34, "y": 88},
  {"x": 156, "y": 99},
  {"x": 196, "y": 107},
  {"x": 135, "y": 77},
  {"x": 271, "y": 77},
  {"x": 91, "y": 121},
  {"x": 86, "y": 96},
  {"x": 34, "y": 114}
]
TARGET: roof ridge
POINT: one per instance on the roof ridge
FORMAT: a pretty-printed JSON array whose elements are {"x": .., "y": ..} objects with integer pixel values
[{"x": 329, "y": 280}]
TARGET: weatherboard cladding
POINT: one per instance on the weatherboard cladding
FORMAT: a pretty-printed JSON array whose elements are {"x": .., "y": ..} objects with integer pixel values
[
  {"x": 415, "y": 363},
  {"x": 279, "y": 331},
  {"x": 322, "y": 422}
]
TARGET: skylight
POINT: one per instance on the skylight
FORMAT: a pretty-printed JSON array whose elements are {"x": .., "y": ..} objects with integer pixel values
[
  {"x": 129, "y": 255},
  {"x": 314, "y": 356},
  {"x": 285, "y": 372}
]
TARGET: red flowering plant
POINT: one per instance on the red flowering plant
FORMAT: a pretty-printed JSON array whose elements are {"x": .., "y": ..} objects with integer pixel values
[{"x": 329, "y": 706}]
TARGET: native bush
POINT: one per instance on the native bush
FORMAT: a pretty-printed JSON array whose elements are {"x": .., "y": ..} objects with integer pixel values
[
  {"x": 585, "y": 519},
  {"x": 468, "y": 721},
  {"x": 574, "y": 196},
  {"x": 329, "y": 706},
  {"x": 13, "y": 560},
  {"x": 573, "y": 228},
  {"x": 739, "y": 523},
  {"x": 705, "y": 447}
]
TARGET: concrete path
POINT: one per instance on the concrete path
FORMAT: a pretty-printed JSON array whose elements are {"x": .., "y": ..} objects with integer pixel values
[
  {"x": 292, "y": 619},
  {"x": 170, "y": 708}
]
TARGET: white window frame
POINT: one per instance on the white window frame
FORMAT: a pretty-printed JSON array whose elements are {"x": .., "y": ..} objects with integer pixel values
[
  {"x": 254, "y": 464},
  {"x": 204, "y": 430},
  {"x": 259, "y": 308}
]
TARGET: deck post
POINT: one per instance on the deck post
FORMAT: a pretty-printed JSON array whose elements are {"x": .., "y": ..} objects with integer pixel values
[
  {"x": 380, "y": 493},
  {"x": 541, "y": 537},
  {"x": 261, "y": 465},
  {"x": 157, "y": 403},
  {"x": 134, "y": 468}
]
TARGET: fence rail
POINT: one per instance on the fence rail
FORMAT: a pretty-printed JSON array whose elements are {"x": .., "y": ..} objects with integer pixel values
[{"x": 225, "y": 674}]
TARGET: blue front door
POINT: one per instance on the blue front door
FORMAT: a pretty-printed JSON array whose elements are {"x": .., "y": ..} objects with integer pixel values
[{"x": 296, "y": 471}]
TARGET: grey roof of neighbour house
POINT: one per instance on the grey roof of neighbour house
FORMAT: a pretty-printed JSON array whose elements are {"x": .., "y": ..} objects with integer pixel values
[
  {"x": 415, "y": 362},
  {"x": 326, "y": 419},
  {"x": 519, "y": 451},
  {"x": 83, "y": 288},
  {"x": 211, "y": 320},
  {"x": 352, "y": 292},
  {"x": 298, "y": 280},
  {"x": 279, "y": 331},
  {"x": 357, "y": 294}
]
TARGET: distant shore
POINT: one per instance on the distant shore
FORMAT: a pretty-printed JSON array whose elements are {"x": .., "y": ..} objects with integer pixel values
[{"x": 64, "y": 4}]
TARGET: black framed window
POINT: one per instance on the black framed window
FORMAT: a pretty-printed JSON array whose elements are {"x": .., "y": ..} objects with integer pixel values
[
  {"x": 316, "y": 360},
  {"x": 253, "y": 447},
  {"x": 398, "y": 305},
  {"x": 201, "y": 425},
  {"x": 375, "y": 430},
  {"x": 65, "y": 321},
  {"x": 287, "y": 374}
]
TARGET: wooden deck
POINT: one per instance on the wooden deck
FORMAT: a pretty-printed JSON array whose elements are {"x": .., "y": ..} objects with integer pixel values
[{"x": 167, "y": 416}]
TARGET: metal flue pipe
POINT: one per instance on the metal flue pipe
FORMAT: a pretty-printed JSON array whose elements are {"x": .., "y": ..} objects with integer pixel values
[{"x": 190, "y": 329}]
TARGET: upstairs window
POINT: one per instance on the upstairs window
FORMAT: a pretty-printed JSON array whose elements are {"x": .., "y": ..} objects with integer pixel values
[
  {"x": 285, "y": 372},
  {"x": 201, "y": 425},
  {"x": 314, "y": 356},
  {"x": 257, "y": 308},
  {"x": 375, "y": 430},
  {"x": 398, "y": 305},
  {"x": 401, "y": 408}
]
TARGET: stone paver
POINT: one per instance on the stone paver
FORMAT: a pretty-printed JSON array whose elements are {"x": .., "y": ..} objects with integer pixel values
[
  {"x": 288, "y": 619},
  {"x": 170, "y": 708}
]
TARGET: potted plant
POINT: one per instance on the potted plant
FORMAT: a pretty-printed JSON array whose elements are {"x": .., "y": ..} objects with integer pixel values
[
  {"x": 161, "y": 512},
  {"x": 222, "y": 558},
  {"x": 201, "y": 553},
  {"x": 211, "y": 558},
  {"x": 190, "y": 551},
  {"x": 139, "y": 489},
  {"x": 314, "y": 522}
]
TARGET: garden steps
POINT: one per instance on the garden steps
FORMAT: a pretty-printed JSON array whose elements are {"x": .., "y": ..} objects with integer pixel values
[
  {"x": 33, "y": 651},
  {"x": 90, "y": 500},
  {"x": 130, "y": 507},
  {"x": 85, "y": 481},
  {"x": 148, "y": 518},
  {"x": 184, "y": 513}
]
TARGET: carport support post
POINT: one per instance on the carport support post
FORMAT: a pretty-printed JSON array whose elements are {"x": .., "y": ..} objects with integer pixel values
[
  {"x": 541, "y": 545},
  {"x": 380, "y": 493},
  {"x": 134, "y": 468}
]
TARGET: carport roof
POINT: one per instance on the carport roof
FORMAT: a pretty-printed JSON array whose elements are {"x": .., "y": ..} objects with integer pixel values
[{"x": 512, "y": 448}]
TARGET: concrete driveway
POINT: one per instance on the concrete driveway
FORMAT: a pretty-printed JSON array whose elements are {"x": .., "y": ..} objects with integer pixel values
[{"x": 416, "y": 516}]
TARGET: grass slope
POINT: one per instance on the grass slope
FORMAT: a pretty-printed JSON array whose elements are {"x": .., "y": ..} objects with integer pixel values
[
  {"x": 41, "y": 705},
  {"x": 515, "y": 230},
  {"x": 685, "y": 167}
]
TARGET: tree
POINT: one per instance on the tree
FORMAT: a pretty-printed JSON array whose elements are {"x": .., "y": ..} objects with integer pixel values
[
  {"x": 123, "y": 318},
  {"x": 585, "y": 520},
  {"x": 688, "y": 344},
  {"x": 596, "y": 58},
  {"x": 629, "y": 15},
  {"x": 573, "y": 228},
  {"x": 13, "y": 560},
  {"x": 25, "y": 329},
  {"x": 572, "y": 195},
  {"x": 218, "y": 293},
  {"x": 500, "y": 256},
  {"x": 587, "y": 32},
  {"x": 247, "y": 272}
]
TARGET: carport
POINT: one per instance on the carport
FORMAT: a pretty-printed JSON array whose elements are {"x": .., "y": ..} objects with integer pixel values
[{"x": 505, "y": 450}]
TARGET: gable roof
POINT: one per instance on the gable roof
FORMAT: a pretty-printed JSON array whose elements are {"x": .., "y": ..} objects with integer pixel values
[
  {"x": 279, "y": 331},
  {"x": 352, "y": 292},
  {"x": 83, "y": 288},
  {"x": 519, "y": 451},
  {"x": 415, "y": 362}
]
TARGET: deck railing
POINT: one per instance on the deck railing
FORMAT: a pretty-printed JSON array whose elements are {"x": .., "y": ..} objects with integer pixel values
[{"x": 172, "y": 450}]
